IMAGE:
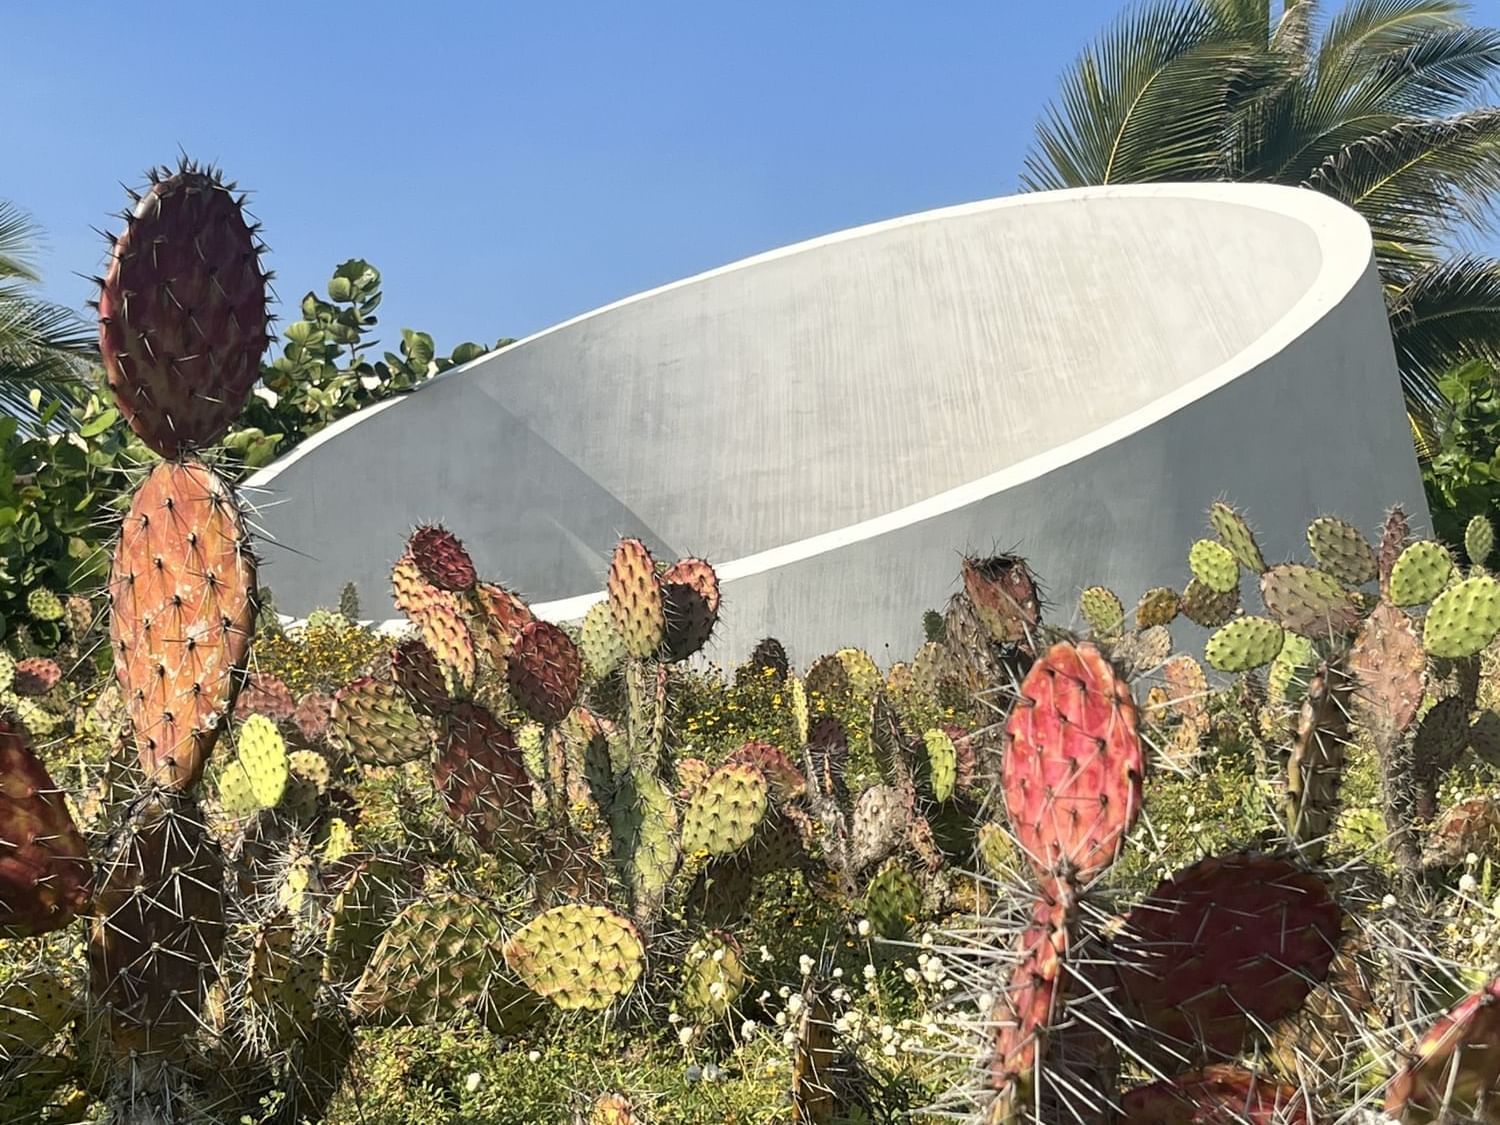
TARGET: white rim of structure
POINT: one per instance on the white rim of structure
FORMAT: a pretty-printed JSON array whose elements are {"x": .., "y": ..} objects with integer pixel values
[{"x": 1346, "y": 250}]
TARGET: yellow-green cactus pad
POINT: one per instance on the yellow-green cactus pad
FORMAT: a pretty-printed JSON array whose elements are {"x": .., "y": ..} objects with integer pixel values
[
  {"x": 1245, "y": 643},
  {"x": 1464, "y": 619},
  {"x": 1214, "y": 565},
  {"x": 1421, "y": 572},
  {"x": 579, "y": 957}
]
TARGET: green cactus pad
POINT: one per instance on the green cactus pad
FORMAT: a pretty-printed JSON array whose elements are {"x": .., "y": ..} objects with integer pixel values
[
  {"x": 1464, "y": 619},
  {"x": 375, "y": 722},
  {"x": 601, "y": 642},
  {"x": 1209, "y": 608},
  {"x": 1158, "y": 606},
  {"x": 44, "y": 605},
  {"x": 1234, "y": 532},
  {"x": 7, "y": 672},
  {"x": 723, "y": 814},
  {"x": 311, "y": 767},
  {"x": 995, "y": 850},
  {"x": 236, "y": 797},
  {"x": 1341, "y": 550},
  {"x": 1103, "y": 610},
  {"x": 579, "y": 957},
  {"x": 864, "y": 674},
  {"x": 281, "y": 983},
  {"x": 1214, "y": 565},
  {"x": 643, "y": 836},
  {"x": 1308, "y": 601},
  {"x": 1245, "y": 643},
  {"x": 942, "y": 763},
  {"x": 1442, "y": 735},
  {"x": 1420, "y": 573},
  {"x": 893, "y": 901},
  {"x": 34, "y": 1007},
  {"x": 1286, "y": 681},
  {"x": 714, "y": 977},
  {"x": 828, "y": 679},
  {"x": 370, "y": 898},
  {"x": 1479, "y": 540},
  {"x": 440, "y": 960},
  {"x": 261, "y": 752}
]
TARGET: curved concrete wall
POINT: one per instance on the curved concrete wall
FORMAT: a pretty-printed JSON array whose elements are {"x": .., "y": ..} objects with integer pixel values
[{"x": 1072, "y": 374}]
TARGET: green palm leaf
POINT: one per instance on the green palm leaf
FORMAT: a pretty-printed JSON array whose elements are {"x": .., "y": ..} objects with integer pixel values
[{"x": 1445, "y": 315}]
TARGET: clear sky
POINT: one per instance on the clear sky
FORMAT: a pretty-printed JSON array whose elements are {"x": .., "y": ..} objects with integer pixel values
[{"x": 508, "y": 165}]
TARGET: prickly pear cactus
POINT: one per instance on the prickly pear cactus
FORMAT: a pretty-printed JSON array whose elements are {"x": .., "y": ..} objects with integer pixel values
[
  {"x": 45, "y": 872},
  {"x": 723, "y": 814},
  {"x": 635, "y": 599},
  {"x": 714, "y": 977},
  {"x": 1245, "y": 643},
  {"x": 1453, "y": 1071},
  {"x": 578, "y": 956}
]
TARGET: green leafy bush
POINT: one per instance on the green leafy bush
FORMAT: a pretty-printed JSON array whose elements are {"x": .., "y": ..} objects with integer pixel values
[{"x": 1462, "y": 475}]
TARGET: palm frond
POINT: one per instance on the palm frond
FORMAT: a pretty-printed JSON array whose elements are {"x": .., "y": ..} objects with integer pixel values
[
  {"x": 1292, "y": 36},
  {"x": 1444, "y": 316},
  {"x": 1145, "y": 102},
  {"x": 1367, "y": 29},
  {"x": 18, "y": 237},
  {"x": 1439, "y": 72}
]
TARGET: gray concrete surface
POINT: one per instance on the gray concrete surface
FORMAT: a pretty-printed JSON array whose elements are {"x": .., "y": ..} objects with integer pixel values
[{"x": 1072, "y": 374}]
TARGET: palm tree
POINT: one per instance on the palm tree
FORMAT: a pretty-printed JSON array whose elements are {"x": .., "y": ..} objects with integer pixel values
[
  {"x": 43, "y": 346},
  {"x": 1379, "y": 105}
]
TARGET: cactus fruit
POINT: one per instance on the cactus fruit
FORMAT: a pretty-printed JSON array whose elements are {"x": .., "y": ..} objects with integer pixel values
[
  {"x": 690, "y": 603},
  {"x": 182, "y": 311},
  {"x": 1221, "y": 1094},
  {"x": 1389, "y": 667},
  {"x": 1004, "y": 595},
  {"x": 1158, "y": 606},
  {"x": 1479, "y": 541},
  {"x": 1102, "y": 609},
  {"x": 1453, "y": 1073},
  {"x": 1234, "y": 532},
  {"x": 722, "y": 816},
  {"x": 441, "y": 960},
  {"x": 579, "y": 957},
  {"x": 1214, "y": 565},
  {"x": 1308, "y": 601},
  {"x": 1206, "y": 607},
  {"x": 416, "y": 672},
  {"x": 1227, "y": 945},
  {"x": 1073, "y": 763},
  {"x": 158, "y": 929},
  {"x": 714, "y": 977},
  {"x": 1420, "y": 573},
  {"x": 600, "y": 642},
  {"x": 544, "y": 671},
  {"x": 36, "y": 675},
  {"x": 635, "y": 599},
  {"x": 44, "y": 605},
  {"x": 1245, "y": 643},
  {"x": 441, "y": 558},
  {"x": 265, "y": 695},
  {"x": 1464, "y": 618},
  {"x": 182, "y": 593},
  {"x": 44, "y": 865},
  {"x": 481, "y": 776},
  {"x": 1341, "y": 551},
  {"x": 893, "y": 900},
  {"x": 785, "y": 779},
  {"x": 373, "y": 721}
]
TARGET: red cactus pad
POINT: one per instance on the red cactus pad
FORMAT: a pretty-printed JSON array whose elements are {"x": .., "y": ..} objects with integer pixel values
[
  {"x": 1073, "y": 763},
  {"x": 482, "y": 778},
  {"x": 1022, "y": 1014},
  {"x": 545, "y": 671},
  {"x": 182, "y": 311},
  {"x": 417, "y": 672},
  {"x": 1005, "y": 596},
  {"x": 1227, "y": 945},
  {"x": 1454, "y": 1071},
  {"x": 785, "y": 779},
  {"x": 636, "y": 599},
  {"x": 265, "y": 695},
  {"x": 313, "y": 713},
  {"x": 44, "y": 863},
  {"x": 690, "y": 600},
  {"x": 503, "y": 615},
  {"x": 1216, "y": 1095},
  {"x": 442, "y": 559},
  {"x": 182, "y": 597},
  {"x": 36, "y": 675}
]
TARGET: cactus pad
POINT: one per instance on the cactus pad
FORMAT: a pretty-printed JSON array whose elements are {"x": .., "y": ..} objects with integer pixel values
[
  {"x": 722, "y": 816},
  {"x": 502, "y": 616},
  {"x": 690, "y": 603},
  {"x": 1453, "y": 1073},
  {"x": 942, "y": 763},
  {"x": 1464, "y": 619},
  {"x": 44, "y": 605},
  {"x": 1187, "y": 688},
  {"x": 1341, "y": 551},
  {"x": 374, "y": 722},
  {"x": 1390, "y": 667},
  {"x": 1245, "y": 643},
  {"x": 1479, "y": 541},
  {"x": 1307, "y": 601},
  {"x": 44, "y": 864},
  {"x": 416, "y": 672},
  {"x": 1022, "y": 1014},
  {"x": 785, "y": 779},
  {"x": 182, "y": 311},
  {"x": 1004, "y": 595},
  {"x": 579, "y": 957},
  {"x": 265, "y": 695},
  {"x": 600, "y": 641},
  {"x": 181, "y": 589},
  {"x": 1206, "y": 607},
  {"x": 369, "y": 897},
  {"x": 1229, "y": 944},
  {"x": 1073, "y": 763},
  {"x": 34, "y": 1007},
  {"x": 714, "y": 977},
  {"x": 893, "y": 900},
  {"x": 1420, "y": 573},
  {"x": 882, "y": 816},
  {"x": 1102, "y": 609},
  {"x": 643, "y": 834},
  {"x": 544, "y": 671},
  {"x": 635, "y": 599},
  {"x": 1158, "y": 606},
  {"x": 1221, "y": 1094},
  {"x": 36, "y": 675},
  {"x": 1286, "y": 679},
  {"x": 442, "y": 559},
  {"x": 1234, "y": 532},
  {"x": 1214, "y": 565},
  {"x": 261, "y": 753},
  {"x": 482, "y": 778}
]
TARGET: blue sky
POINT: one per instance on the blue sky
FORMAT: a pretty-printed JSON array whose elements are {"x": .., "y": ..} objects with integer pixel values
[{"x": 508, "y": 165}]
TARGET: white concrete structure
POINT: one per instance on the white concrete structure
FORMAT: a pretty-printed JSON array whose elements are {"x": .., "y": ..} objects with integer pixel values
[{"x": 1072, "y": 375}]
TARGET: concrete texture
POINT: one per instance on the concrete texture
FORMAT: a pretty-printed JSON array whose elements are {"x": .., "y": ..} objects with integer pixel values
[{"x": 1073, "y": 375}]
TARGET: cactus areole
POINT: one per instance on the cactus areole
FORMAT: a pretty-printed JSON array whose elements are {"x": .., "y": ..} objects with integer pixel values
[
  {"x": 1073, "y": 763},
  {"x": 182, "y": 311}
]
